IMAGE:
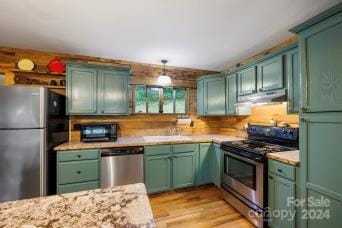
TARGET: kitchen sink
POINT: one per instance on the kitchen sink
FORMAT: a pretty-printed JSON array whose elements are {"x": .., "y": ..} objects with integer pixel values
[{"x": 166, "y": 138}]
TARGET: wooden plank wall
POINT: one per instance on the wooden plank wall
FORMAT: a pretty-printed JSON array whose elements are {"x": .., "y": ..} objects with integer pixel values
[
  {"x": 133, "y": 125},
  {"x": 140, "y": 125}
]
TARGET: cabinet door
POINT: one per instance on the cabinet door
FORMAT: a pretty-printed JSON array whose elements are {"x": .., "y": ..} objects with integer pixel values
[
  {"x": 216, "y": 165},
  {"x": 113, "y": 91},
  {"x": 271, "y": 74},
  {"x": 215, "y": 96},
  {"x": 81, "y": 90},
  {"x": 184, "y": 169},
  {"x": 231, "y": 94},
  {"x": 293, "y": 81},
  {"x": 321, "y": 54},
  {"x": 158, "y": 173},
  {"x": 280, "y": 191},
  {"x": 247, "y": 81},
  {"x": 320, "y": 162},
  {"x": 200, "y": 98},
  {"x": 204, "y": 168}
]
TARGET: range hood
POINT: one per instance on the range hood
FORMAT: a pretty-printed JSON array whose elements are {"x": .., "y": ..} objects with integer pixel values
[{"x": 262, "y": 98}]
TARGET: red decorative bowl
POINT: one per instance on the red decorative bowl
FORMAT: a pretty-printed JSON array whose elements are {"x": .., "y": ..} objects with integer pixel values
[{"x": 56, "y": 66}]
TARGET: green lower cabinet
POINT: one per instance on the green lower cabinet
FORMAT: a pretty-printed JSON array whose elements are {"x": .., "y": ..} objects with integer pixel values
[
  {"x": 78, "y": 170},
  {"x": 216, "y": 165},
  {"x": 184, "y": 169},
  {"x": 280, "y": 190},
  {"x": 204, "y": 166},
  {"x": 158, "y": 173}
]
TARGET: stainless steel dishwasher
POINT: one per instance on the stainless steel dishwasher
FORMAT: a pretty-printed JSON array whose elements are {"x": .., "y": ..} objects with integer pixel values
[{"x": 120, "y": 166}]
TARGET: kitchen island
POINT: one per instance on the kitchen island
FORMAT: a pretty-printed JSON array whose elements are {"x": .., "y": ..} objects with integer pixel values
[{"x": 122, "y": 206}]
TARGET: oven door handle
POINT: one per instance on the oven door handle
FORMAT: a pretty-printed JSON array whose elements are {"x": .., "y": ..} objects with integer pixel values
[{"x": 241, "y": 158}]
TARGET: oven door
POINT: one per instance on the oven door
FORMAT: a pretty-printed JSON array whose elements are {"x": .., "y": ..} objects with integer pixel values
[{"x": 244, "y": 176}]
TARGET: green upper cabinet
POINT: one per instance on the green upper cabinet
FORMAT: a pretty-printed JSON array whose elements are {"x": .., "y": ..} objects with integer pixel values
[
  {"x": 271, "y": 74},
  {"x": 211, "y": 95},
  {"x": 231, "y": 94},
  {"x": 214, "y": 96},
  {"x": 247, "y": 81},
  {"x": 114, "y": 92},
  {"x": 92, "y": 90},
  {"x": 184, "y": 169},
  {"x": 81, "y": 90},
  {"x": 200, "y": 98},
  {"x": 204, "y": 167},
  {"x": 320, "y": 56},
  {"x": 293, "y": 81}
]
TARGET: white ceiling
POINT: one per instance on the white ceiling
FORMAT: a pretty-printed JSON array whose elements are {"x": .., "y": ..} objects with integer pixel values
[{"x": 203, "y": 34}]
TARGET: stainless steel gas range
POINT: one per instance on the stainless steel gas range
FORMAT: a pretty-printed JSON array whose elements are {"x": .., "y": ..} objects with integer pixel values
[{"x": 244, "y": 168}]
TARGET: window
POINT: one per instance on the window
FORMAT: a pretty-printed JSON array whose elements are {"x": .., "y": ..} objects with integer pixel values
[{"x": 167, "y": 100}]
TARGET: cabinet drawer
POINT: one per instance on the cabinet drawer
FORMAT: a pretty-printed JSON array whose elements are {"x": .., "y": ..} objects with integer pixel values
[
  {"x": 157, "y": 150},
  {"x": 78, "y": 171},
  {"x": 66, "y": 188},
  {"x": 282, "y": 169},
  {"x": 77, "y": 155},
  {"x": 182, "y": 148}
]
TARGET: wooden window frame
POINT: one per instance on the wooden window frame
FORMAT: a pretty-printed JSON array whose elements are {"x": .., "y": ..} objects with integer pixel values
[{"x": 161, "y": 100}]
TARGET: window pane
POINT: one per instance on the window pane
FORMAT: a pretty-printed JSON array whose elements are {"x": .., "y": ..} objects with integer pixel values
[
  {"x": 168, "y": 100},
  {"x": 180, "y": 100},
  {"x": 140, "y": 99},
  {"x": 153, "y": 100}
]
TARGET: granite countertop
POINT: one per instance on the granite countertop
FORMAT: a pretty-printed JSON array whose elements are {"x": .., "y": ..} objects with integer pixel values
[
  {"x": 123, "y": 206},
  {"x": 289, "y": 157},
  {"x": 145, "y": 141}
]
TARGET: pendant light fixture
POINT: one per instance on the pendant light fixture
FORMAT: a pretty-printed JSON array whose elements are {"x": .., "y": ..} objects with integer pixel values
[{"x": 164, "y": 79}]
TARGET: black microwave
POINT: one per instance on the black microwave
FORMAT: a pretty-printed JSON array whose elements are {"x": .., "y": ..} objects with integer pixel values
[{"x": 96, "y": 132}]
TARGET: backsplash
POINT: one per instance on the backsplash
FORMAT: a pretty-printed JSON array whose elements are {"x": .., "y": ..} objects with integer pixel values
[{"x": 261, "y": 115}]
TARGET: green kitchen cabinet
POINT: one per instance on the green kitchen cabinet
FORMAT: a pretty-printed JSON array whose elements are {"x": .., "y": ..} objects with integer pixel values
[
  {"x": 158, "y": 173},
  {"x": 280, "y": 190},
  {"x": 214, "y": 96},
  {"x": 271, "y": 74},
  {"x": 200, "y": 98},
  {"x": 211, "y": 95},
  {"x": 320, "y": 157},
  {"x": 204, "y": 175},
  {"x": 78, "y": 170},
  {"x": 231, "y": 94},
  {"x": 293, "y": 81},
  {"x": 81, "y": 90},
  {"x": 247, "y": 81},
  {"x": 184, "y": 169},
  {"x": 113, "y": 89},
  {"x": 320, "y": 56},
  {"x": 216, "y": 164},
  {"x": 96, "y": 90}
]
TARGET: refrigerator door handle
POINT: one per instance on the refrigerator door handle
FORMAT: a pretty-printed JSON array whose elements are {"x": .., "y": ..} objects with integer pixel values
[{"x": 43, "y": 162}]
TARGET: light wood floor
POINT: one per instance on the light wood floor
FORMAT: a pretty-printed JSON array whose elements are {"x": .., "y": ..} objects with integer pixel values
[{"x": 195, "y": 207}]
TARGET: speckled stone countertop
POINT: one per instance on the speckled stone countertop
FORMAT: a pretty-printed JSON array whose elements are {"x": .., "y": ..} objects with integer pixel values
[
  {"x": 289, "y": 157},
  {"x": 123, "y": 206},
  {"x": 148, "y": 140}
]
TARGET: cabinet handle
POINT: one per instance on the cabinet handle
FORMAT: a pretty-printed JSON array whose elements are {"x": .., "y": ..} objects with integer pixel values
[
  {"x": 270, "y": 177},
  {"x": 260, "y": 90},
  {"x": 79, "y": 156},
  {"x": 304, "y": 109},
  {"x": 303, "y": 119},
  {"x": 279, "y": 170},
  {"x": 78, "y": 172}
]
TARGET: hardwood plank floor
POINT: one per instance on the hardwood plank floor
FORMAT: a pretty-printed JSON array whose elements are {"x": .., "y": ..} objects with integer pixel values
[{"x": 195, "y": 207}]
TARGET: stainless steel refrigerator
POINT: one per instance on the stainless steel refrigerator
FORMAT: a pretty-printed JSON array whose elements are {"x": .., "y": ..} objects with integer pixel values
[{"x": 32, "y": 122}]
